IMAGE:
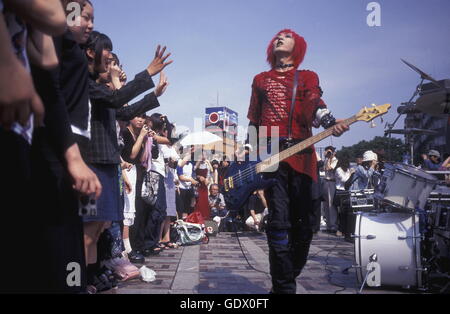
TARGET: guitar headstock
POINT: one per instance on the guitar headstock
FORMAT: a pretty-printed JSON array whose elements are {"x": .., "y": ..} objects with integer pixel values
[{"x": 368, "y": 114}]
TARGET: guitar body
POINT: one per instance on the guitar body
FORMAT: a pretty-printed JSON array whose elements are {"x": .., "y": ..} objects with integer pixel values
[{"x": 240, "y": 183}]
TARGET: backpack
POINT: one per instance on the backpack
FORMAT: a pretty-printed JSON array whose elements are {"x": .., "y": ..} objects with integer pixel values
[
  {"x": 150, "y": 188},
  {"x": 190, "y": 234}
]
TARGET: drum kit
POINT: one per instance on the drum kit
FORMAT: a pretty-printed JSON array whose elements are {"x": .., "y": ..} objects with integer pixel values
[{"x": 403, "y": 227}]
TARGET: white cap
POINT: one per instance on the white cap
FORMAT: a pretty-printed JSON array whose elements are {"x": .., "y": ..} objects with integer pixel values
[{"x": 370, "y": 156}]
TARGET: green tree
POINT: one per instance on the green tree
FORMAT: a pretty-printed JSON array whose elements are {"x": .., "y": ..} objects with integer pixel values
[{"x": 389, "y": 149}]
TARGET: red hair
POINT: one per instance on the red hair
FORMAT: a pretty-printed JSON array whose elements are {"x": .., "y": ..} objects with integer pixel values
[{"x": 299, "y": 49}]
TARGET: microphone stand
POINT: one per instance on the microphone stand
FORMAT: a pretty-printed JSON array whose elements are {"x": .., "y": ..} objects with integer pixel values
[{"x": 390, "y": 126}]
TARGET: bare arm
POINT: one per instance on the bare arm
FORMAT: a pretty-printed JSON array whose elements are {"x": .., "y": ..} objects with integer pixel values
[
  {"x": 187, "y": 179},
  {"x": 41, "y": 50},
  {"x": 46, "y": 15},
  {"x": 84, "y": 179},
  {"x": 446, "y": 163},
  {"x": 162, "y": 140},
  {"x": 17, "y": 94},
  {"x": 138, "y": 144}
]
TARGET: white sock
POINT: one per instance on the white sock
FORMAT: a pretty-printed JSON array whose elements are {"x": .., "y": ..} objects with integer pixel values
[{"x": 126, "y": 243}]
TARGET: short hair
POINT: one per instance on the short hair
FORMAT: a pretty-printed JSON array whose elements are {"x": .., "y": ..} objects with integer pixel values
[
  {"x": 214, "y": 184},
  {"x": 299, "y": 49}
]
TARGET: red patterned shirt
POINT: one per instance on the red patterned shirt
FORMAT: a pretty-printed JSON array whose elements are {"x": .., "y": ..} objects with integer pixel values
[{"x": 271, "y": 103}]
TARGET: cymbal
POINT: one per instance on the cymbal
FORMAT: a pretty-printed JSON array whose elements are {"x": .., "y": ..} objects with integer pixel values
[
  {"x": 422, "y": 74},
  {"x": 437, "y": 103},
  {"x": 413, "y": 131}
]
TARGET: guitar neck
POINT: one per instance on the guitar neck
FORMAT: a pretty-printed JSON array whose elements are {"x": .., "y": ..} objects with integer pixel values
[{"x": 276, "y": 159}]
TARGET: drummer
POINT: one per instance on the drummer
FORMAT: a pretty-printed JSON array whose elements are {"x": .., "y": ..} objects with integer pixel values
[{"x": 365, "y": 171}]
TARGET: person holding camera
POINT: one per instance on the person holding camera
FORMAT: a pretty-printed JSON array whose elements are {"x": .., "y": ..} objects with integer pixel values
[
  {"x": 329, "y": 189},
  {"x": 365, "y": 171},
  {"x": 217, "y": 204},
  {"x": 216, "y": 201}
]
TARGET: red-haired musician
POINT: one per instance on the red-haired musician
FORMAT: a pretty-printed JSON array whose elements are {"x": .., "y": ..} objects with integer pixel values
[{"x": 289, "y": 230}]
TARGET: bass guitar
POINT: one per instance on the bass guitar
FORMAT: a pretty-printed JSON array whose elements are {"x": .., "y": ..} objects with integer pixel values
[{"x": 242, "y": 179}]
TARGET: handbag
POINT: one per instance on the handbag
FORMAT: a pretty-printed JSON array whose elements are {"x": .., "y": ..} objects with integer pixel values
[{"x": 150, "y": 188}]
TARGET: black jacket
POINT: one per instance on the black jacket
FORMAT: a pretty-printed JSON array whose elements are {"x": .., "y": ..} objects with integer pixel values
[{"x": 107, "y": 107}]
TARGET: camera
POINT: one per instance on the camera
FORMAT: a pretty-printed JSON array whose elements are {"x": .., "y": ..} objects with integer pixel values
[
  {"x": 329, "y": 154},
  {"x": 87, "y": 205}
]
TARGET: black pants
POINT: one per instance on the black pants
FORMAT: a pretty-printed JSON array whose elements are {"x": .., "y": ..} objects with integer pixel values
[
  {"x": 146, "y": 220},
  {"x": 289, "y": 231},
  {"x": 186, "y": 196},
  {"x": 137, "y": 230},
  {"x": 15, "y": 195}
]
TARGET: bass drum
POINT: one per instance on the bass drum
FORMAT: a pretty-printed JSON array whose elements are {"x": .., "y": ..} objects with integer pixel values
[{"x": 395, "y": 239}]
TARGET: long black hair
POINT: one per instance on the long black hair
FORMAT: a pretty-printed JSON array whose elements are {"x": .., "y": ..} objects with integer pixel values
[
  {"x": 343, "y": 163},
  {"x": 98, "y": 42}
]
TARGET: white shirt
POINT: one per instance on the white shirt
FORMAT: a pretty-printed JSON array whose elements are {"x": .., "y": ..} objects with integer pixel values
[
  {"x": 158, "y": 164},
  {"x": 186, "y": 171},
  {"x": 171, "y": 174},
  {"x": 342, "y": 177},
  {"x": 329, "y": 174}
]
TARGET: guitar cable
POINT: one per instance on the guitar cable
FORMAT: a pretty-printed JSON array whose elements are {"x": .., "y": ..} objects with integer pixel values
[{"x": 245, "y": 255}]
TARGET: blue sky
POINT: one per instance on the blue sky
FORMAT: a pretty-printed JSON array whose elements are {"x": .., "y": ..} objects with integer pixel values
[{"x": 219, "y": 46}]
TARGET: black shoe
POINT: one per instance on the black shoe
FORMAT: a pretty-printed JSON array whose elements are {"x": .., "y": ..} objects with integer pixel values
[
  {"x": 136, "y": 257},
  {"x": 152, "y": 252}
]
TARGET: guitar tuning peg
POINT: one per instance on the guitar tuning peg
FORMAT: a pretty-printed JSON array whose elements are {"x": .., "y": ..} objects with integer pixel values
[
  {"x": 373, "y": 105},
  {"x": 373, "y": 125}
]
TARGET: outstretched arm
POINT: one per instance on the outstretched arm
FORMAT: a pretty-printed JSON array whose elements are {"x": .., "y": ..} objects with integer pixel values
[{"x": 45, "y": 15}]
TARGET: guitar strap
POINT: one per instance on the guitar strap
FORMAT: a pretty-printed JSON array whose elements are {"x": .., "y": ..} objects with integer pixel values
[{"x": 291, "y": 113}]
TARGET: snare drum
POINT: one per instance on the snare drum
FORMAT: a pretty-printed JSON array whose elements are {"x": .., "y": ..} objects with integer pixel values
[
  {"x": 395, "y": 239},
  {"x": 404, "y": 188}
]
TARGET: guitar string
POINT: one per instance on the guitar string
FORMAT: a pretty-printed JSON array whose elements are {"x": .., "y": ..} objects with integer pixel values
[
  {"x": 247, "y": 173},
  {"x": 290, "y": 151},
  {"x": 244, "y": 175}
]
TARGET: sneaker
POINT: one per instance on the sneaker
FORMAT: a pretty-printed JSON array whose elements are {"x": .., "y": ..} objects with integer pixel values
[{"x": 136, "y": 257}]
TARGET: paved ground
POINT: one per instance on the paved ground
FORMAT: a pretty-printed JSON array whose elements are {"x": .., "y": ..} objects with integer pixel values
[{"x": 220, "y": 267}]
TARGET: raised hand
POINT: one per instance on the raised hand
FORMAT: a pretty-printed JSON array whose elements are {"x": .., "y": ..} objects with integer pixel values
[
  {"x": 115, "y": 70},
  {"x": 159, "y": 63},
  {"x": 162, "y": 85}
]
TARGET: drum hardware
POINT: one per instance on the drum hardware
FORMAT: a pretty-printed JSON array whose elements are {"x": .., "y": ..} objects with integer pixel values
[
  {"x": 367, "y": 237},
  {"x": 416, "y": 269},
  {"x": 410, "y": 237}
]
